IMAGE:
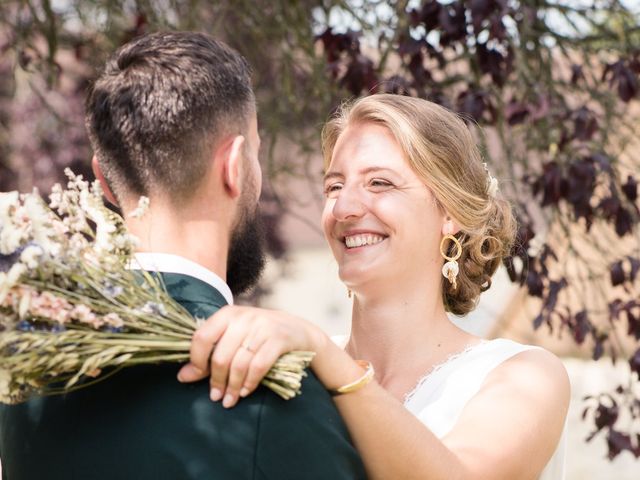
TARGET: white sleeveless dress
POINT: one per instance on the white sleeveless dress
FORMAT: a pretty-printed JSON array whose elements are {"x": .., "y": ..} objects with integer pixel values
[{"x": 440, "y": 396}]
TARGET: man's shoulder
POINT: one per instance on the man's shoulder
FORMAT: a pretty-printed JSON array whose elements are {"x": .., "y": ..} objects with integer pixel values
[
  {"x": 142, "y": 419},
  {"x": 311, "y": 431}
]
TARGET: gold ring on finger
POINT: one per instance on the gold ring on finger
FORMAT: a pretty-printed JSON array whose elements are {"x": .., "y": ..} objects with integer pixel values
[{"x": 247, "y": 347}]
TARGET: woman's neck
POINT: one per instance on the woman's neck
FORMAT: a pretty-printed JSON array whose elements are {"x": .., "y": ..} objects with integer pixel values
[{"x": 403, "y": 332}]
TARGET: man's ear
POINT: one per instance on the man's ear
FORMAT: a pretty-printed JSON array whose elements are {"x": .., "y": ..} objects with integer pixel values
[
  {"x": 97, "y": 171},
  {"x": 230, "y": 154}
]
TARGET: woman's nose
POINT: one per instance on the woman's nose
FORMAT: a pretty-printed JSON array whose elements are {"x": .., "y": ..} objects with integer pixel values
[{"x": 349, "y": 204}]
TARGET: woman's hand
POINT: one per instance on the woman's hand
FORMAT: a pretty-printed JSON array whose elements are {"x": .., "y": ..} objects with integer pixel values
[{"x": 247, "y": 341}]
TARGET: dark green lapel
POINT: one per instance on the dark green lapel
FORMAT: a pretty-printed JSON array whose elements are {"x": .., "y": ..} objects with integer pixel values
[{"x": 199, "y": 298}]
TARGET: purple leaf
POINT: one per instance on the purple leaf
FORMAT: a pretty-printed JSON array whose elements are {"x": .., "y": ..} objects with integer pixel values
[
  {"x": 605, "y": 416},
  {"x": 627, "y": 85},
  {"x": 491, "y": 61},
  {"x": 585, "y": 124},
  {"x": 516, "y": 112},
  {"x": 430, "y": 14},
  {"x": 617, "y": 273},
  {"x": 414, "y": 18},
  {"x": 396, "y": 84},
  {"x": 581, "y": 180},
  {"x": 336, "y": 43},
  {"x": 634, "y": 362},
  {"x": 635, "y": 267},
  {"x": 617, "y": 442},
  {"x": 609, "y": 206},
  {"x": 624, "y": 77},
  {"x": 602, "y": 161},
  {"x": 452, "y": 20},
  {"x": 576, "y": 73},
  {"x": 534, "y": 284},
  {"x": 421, "y": 76},
  {"x": 633, "y": 325},
  {"x": 554, "y": 290},
  {"x": 552, "y": 183},
  {"x": 497, "y": 30},
  {"x": 615, "y": 308},
  {"x": 598, "y": 348},
  {"x": 624, "y": 222},
  {"x": 581, "y": 327},
  {"x": 538, "y": 321},
  {"x": 630, "y": 189},
  {"x": 480, "y": 10},
  {"x": 585, "y": 411},
  {"x": 473, "y": 103},
  {"x": 360, "y": 75},
  {"x": 410, "y": 46},
  {"x": 511, "y": 268}
]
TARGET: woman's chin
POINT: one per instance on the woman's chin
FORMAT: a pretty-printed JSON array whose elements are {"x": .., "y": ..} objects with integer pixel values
[{"x": 356, "y": 277}]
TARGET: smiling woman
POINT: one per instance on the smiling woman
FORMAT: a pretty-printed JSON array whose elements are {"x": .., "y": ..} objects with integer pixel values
[
  {"x": 422, "y": 144},
  {"x": 387, "y": 201},
  {"x": 418, "y": 228}
]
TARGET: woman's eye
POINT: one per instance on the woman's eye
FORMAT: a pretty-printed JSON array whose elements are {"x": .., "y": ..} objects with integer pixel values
[
  {"x": 332, "y": 189},
  {"x": 380, "y": 184}
]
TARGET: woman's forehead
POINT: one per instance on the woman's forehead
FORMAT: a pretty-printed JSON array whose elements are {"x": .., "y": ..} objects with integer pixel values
[
  {"x": 367, "y": 143},
  {"x": 371, "y": 148}
]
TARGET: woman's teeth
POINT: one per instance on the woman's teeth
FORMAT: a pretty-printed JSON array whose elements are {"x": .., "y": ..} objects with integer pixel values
[{"x": 354, "y": 241}]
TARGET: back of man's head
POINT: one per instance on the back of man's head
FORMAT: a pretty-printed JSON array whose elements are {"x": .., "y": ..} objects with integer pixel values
[{"x": 159, "y": 108}]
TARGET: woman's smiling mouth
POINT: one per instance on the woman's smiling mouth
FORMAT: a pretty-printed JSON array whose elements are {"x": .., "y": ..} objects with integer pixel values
[{"x": 362, "y": 239}]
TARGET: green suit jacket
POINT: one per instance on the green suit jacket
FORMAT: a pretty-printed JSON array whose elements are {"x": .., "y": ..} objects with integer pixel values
[{"x": 143, "y": 424}]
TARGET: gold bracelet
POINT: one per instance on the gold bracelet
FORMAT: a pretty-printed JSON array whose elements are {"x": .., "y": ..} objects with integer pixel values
[{"x": 356, "y": 385}]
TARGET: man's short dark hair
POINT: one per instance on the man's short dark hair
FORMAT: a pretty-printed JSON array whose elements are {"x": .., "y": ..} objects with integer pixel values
[{"x": 163, "y": 101}]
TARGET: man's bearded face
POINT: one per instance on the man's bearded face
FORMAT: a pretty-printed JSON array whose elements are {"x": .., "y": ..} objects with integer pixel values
[{"x": 246, "y": 259}]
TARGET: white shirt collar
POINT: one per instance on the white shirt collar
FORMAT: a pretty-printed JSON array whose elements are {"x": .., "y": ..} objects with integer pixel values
[{"x": 169, "y": 263}]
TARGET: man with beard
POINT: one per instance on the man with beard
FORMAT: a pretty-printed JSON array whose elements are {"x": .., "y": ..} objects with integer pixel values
[{"x": 173, "y": 118}]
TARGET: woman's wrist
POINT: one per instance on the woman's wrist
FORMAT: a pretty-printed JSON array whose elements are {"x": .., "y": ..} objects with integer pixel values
[
  {"x": 318, "y": 339},
  {"x": 333, "y": 366},
  {"x": 358, "y": 384}
]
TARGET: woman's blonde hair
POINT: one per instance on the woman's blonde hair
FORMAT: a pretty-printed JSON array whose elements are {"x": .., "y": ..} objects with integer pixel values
[{"x": 441, "y": 150}]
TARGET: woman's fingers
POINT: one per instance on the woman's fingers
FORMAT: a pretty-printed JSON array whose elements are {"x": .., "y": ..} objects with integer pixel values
[
  {"x": 240, "y": 365},
  {"x": 261, "y": 362},
  {"x": 223, "y": 355},
  {"x": 248, "y": 369},
  {"x": 202, "y": 344},
  {"x": 247, "y": 341}
]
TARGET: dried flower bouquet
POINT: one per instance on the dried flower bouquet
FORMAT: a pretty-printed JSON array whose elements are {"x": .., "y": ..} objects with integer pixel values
[{"x": 71, "y": 306}]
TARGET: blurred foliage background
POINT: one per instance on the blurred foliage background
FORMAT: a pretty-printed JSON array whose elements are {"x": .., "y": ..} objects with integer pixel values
[{"x": 550, "y": 88}]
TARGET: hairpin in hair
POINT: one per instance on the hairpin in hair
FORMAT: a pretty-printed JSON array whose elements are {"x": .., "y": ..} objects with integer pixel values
[{"x": 492, "y": 182}]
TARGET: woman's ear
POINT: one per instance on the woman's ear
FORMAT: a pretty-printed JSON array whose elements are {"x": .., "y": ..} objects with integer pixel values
[
  {"x": 97, "y": 171},
  {"x": 230, "y": 154},
  {"x": 449, "y": 226}
]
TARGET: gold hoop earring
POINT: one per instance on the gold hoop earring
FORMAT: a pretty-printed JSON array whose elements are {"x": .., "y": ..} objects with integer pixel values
[{"x": 451, "y": 269}]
